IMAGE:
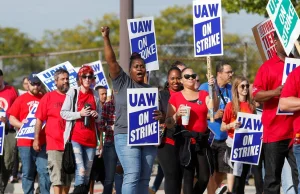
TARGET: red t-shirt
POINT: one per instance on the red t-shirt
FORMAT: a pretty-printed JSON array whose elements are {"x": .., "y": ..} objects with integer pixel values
[
  {"x": 291, "y": 89},
  {"x": 228, "y": 116},
  {"x": 269, "y": 77},
  {"x": 7, "y": 96},
  {"x": 81, "y": 134},
  {"x": 20, "y": 110},
  {"x": 49, "y": 111},
  {"x": 198, "y": 113}
]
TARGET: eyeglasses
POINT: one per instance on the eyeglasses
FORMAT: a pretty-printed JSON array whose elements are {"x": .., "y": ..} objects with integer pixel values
[
  {"x": 229, "y": 72},
  {"x": 36, "y": 84},
  {"x": 87, "y": 76},
  {"x": 243, "y": 86},
  {"x": 187, "y": 76}
]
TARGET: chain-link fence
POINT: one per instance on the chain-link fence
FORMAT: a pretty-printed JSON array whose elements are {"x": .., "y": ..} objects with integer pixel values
[{"x": 243, "y": 57}]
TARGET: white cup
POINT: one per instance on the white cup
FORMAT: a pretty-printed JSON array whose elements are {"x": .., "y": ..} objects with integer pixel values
[{"x": 185, "y": 118}]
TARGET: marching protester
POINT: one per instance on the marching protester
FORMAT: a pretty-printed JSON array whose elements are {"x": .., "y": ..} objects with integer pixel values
[
  {"x": 109, "y": 152},
  {"x": 8, "y": 95},
  {"x": 31, "y": 159},
  {"x": 167, "y": 152},
  {"x": 137, "y": 161},
  {"x": 192, "y": 136},
  {"x": 49, "y": 111},
  {"x": 83, "y": 132},
  {"x": 290, "y": 101},
  {"x": 278, "y": 129},
  {"x": 241, "y": 102},
  {"x": 224, "y": 75},
  {"x": 97, "y": 171}
]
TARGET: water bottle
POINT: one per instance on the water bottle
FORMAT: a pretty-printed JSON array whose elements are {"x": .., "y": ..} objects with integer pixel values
[
  {"x": 87, "y": 118},
  {"x": 297, "y": 139}
]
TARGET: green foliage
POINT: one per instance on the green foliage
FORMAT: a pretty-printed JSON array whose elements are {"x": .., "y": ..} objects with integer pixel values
[
  {"x": 252, "y": 6},
  {"x": 174, "y": 26}
]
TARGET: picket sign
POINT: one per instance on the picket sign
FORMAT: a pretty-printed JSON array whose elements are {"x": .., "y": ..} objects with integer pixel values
[
  {"x": 99, "y": 74},
  {"x": 2, "y": 132},
  {"x": 247, "y": 140},
  {"x": 142, "y": 128}
]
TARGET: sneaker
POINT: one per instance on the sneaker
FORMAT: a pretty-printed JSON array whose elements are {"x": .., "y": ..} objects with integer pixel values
[{"x": 222, "y": 189}]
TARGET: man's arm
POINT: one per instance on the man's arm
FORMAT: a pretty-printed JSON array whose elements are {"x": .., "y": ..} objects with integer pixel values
[
  {"x": 263, "y": 96},
  {"x": 291, "y": 104},
  {"x": 15, "y": 122},
  {"x": 37, "y": 130}
]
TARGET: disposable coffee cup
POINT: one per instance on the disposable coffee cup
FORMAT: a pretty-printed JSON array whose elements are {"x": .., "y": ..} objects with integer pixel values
[{"x": 185, "y": 118}]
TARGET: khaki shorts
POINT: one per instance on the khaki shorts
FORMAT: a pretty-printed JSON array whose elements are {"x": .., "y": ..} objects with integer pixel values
[{"x": 57, "y": 175}]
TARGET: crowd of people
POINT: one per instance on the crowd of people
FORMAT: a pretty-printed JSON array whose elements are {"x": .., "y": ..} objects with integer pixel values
[{"x": 188, "y": 159}]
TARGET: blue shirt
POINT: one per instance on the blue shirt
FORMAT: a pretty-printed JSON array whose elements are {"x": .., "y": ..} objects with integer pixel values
[{"x": 216, "y": 126}]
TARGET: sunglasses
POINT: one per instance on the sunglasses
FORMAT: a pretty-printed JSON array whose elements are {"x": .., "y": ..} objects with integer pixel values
[
  {"x": 243, "y": 86},
  {"x": 36, "y": 84},
  {"x": 188, "y": 76},
  {"x": 87, "y": 76}
]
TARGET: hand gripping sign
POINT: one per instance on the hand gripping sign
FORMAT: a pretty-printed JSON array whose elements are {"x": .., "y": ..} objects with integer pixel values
[
  {"x": 208, "y": 37},
  {"x": 47, "y": 76},
  {"x": 142, "y": 40},
  {"x": 99, "y": 74},
  {"x": 2, "y": 133},
  {"x": 27, "y": 129},
  {"x": 289, "y": 65},
  {"x": 142, "y": 128},
  {"x": 247, "y": 140}
]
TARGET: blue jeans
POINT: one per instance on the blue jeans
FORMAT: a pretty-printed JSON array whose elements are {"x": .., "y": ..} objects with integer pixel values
[
  {"x": 118, "y": 181},
  {"x": 84, "y": 157},
  {"x": 296, "y": 149},
  {"x": 137, "y": 162},
  {"x": 110, "y": 159},
  {"x": 286, "y": 179},
  {"x": 32, "y": 161}
]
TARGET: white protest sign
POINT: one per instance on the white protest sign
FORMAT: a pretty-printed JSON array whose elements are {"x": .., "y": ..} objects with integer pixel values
[
  {"x": 207, "y": 28},
  {"x": 2, "y": 133},
  {"x": 286, "y": 22},
  {"x": 142, "y": 128},
  {"x": 99, "y": 74},
  {"x": 247, "y": 140},
  {"x": 142, "y": 40},
  {"x": 264, "y": 38},
  {"x": 47, "y": 76},
  {"x": 27, "y": 129},
  {"x": 289, "y": 65}
]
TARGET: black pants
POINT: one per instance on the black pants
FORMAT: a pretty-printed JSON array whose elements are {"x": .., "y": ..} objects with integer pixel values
[
  {"x": 168, "y": 158},
  {"x": 15, "y": 169},
  {"x": 257, "y": 172},
  {"x": 275, "y": 153},
  {"x": 202, "y": 159},
  {"x": 239, "y": 182}
]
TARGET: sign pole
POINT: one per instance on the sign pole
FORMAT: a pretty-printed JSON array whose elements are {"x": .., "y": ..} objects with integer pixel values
[
  {"x": 210, "y": 91},
  {"x": 297, "y": 45}
]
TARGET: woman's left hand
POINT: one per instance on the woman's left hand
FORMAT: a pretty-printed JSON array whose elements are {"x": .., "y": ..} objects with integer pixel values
[
  {"x": 211, "y": 80},
  {"x": 94, "y": 113},
  {"x": 157, "y": 115}
]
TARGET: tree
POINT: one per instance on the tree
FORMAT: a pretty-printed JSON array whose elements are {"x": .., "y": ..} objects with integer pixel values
[
  {"x": 14, "y": 42},
  {"x": 252, "y": 6}
]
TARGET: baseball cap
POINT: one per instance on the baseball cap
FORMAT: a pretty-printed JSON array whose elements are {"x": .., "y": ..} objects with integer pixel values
[{"x": 33, "y": 78}]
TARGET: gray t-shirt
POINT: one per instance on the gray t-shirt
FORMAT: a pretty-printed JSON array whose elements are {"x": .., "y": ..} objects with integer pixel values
[{"x": 120, "y": 85}]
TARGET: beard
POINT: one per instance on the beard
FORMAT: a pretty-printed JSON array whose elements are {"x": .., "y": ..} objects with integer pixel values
[
  {"x": 63, "y": 88},
  {"x": 34, "y": 91}
]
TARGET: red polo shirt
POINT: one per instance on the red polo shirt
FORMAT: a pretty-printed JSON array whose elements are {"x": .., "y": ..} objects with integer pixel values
[
  {"x": 269, "y": 77},
  {"x": 291, "y": 89}
]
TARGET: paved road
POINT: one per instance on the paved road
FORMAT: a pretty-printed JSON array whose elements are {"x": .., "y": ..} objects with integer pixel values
[{"x": 17, "y": 188}]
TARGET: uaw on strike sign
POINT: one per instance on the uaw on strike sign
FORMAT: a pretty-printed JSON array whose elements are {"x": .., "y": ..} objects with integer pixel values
[
  {"x": 286, "y": 20},
  {"x": 142, "y": 40},
  {"x": 207, "y": 18},
  {"x": 142, "y": 128},
  {"x": 99, "y": 74},
  {"x": 2, "y": 133},
  {"x": 47, "y": 76},
  {"x": 247, "y": 140}
]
